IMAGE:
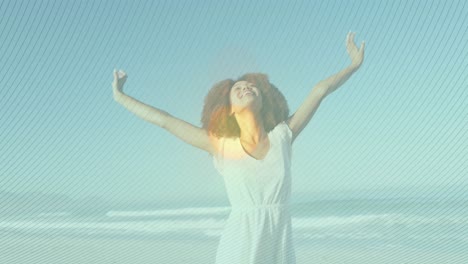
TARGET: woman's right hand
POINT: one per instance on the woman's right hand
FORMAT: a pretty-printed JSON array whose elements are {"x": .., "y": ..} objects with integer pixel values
[
  {"x": 119, "y": 80},
  {"x": 356, "y": 55}
]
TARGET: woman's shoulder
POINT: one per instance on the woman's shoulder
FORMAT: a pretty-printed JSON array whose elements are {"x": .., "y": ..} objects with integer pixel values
[
  {"x": 283, "y": 130},
  {"x": 218, "y": 143},
  {"x": 226, "y": 148}
]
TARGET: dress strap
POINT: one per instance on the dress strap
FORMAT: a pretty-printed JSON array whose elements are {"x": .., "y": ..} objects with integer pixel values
[{"x": 223, "y": 139}]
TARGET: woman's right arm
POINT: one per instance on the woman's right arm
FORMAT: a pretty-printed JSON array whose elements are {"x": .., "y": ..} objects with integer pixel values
[
  {"x": 142, "y": 110},
  {"x": 195, "y": 136}
]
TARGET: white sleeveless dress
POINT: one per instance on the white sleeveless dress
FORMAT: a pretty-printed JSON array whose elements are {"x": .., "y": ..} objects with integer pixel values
[{"x": 258, "y": 230}]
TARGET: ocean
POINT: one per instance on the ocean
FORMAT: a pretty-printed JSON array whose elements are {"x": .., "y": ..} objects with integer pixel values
[{"x": 409, "y": 223}]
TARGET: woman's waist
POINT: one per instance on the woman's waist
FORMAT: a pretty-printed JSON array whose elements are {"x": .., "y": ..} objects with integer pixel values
[{"x": 271, "y": 206}]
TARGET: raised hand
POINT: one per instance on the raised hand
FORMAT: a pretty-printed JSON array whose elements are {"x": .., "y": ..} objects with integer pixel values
[
  {"x": 356, "y": 55},
  {"x": 119, "y": 80}
]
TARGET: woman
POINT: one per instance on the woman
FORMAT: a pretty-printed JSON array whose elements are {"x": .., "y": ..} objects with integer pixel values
[{"x": 247, "y": 130}]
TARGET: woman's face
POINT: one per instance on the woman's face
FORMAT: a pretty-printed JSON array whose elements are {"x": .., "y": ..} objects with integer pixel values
[{"x": 245, "y": 95}]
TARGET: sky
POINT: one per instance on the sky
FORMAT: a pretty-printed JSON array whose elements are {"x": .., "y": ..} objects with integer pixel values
[{"x": 399, "y": 123}]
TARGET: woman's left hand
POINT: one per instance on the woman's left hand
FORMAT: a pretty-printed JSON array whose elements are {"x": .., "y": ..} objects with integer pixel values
[{"x": 356, "y": 55}]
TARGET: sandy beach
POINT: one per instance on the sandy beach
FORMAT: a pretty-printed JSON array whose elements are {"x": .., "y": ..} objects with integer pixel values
[{"x": 81, "y": 250}]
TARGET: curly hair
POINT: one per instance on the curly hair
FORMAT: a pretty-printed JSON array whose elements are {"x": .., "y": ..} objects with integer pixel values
[{"x": 216, "y": 118}]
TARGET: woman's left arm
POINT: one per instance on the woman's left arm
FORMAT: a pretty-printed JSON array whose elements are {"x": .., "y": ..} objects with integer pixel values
[
  {"x": 302, "y": 116},
  {"x": 356, "y": 55}
]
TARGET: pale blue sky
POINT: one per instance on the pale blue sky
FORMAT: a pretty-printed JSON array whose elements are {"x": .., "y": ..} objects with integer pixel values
[{"x": 400, "y": 121}]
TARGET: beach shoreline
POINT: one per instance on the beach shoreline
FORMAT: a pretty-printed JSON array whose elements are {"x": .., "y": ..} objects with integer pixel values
[{"x": 100, "y": 250}]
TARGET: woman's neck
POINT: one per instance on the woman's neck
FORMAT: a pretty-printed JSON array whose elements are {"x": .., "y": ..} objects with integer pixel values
[{"x": 251, "y": 127}]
